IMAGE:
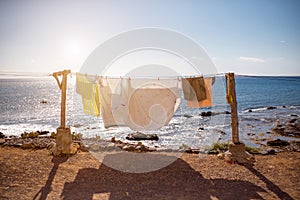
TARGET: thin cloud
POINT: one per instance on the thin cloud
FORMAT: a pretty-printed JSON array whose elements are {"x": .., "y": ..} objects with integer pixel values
[
  {"x": 252, "y": 59},
  {"x": 283, "y": 41}
]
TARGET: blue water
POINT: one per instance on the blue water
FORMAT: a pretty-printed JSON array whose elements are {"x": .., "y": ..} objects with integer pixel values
[{"x": 21, "y": 110}]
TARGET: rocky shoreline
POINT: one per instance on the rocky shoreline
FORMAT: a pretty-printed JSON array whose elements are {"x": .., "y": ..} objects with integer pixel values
[{"x": 46, "y": 140}]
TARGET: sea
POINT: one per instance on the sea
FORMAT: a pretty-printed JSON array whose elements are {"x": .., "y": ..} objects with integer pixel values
[{"x": 263, "y": 102}]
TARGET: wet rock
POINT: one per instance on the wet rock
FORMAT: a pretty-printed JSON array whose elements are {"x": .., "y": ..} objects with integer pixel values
[
  {"x": 2, "y": 135},
  {"x": 278, "y": 142},
  {"x": 188, "y": 116},
  {"x": 271, "y": 108},
  {"x": 249, "y": 110},
  {"x": 290, "y": 128},
  {"x": 206, "y": 114},
  {"x": 200, "y": 129},
  {"x": 141, "y": 136},
  {"x": 227, "y": 112},
  {"x": 43, "y": 132},
  {"x": 294, "y": 115}
]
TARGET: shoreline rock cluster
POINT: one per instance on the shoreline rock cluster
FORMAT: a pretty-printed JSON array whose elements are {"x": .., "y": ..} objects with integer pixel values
[{"x": 290, "y": 128}]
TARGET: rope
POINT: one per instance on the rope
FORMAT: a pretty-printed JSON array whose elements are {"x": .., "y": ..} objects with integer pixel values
[{"x": 40, "y": 74}]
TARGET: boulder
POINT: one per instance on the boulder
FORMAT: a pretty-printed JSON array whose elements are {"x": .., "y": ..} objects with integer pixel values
[
  {"x": 271, "y": 108},
  {"x": 141, "y": 136},
  {"x": 277, "y": 142}
]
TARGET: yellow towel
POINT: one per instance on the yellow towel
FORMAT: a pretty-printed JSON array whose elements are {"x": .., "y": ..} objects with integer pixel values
[{"x": 89, "y": 93}]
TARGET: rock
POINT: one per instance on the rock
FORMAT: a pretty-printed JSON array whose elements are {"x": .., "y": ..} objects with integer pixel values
[
  {"x": 294, "y": 115},
  {"x": 213, "y": 151},
  {"x": 2, "y": 135},
  {"x": 268, "y": 152},
  {"x": 271, "y": 108},
  {"x": 221, "y": 156},
  {"x": 43, "y": 132},
  {"x": 2, "y": 141},
  {"x": 141, "y": 136},
  {"x": 128, "y": 147},
  {"x": 141, "y": 148},
  {"x": 188, "y": 116},
  {"x": 200, "y": 129},
  {"x": 278, "y": 142},
  {"x": 271, "y": 151},
  {"x": 206, "y": 114},
  {"x": 113, "y": 139},
  {"x": 249, "y": 110},
  {"x": 43, "y": 101},
  {"x": 227, "y": 112},
  {"x": 293, "y": 120}
]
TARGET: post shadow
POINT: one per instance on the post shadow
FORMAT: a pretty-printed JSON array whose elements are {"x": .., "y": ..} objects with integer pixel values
[
  {"x": 175, "y": 181},
  {"x": 271, "y": 186},
  {"x": 44, "y": 191}
]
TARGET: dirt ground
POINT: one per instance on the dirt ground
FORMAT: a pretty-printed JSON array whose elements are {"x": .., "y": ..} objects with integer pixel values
[{"x": 35, "y": 174}]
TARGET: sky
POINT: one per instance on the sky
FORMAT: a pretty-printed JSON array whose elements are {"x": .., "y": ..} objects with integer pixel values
[{"x": 251, "y": 37}]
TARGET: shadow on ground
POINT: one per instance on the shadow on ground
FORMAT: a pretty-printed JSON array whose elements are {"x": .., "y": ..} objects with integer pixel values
[{"x": 176, "y": 181}]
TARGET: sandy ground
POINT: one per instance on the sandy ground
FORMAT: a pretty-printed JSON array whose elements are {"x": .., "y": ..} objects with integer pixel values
[{"x": 35, "y": 174}]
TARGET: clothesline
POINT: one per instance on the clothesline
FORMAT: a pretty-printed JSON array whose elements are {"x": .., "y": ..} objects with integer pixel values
[
  {"x": 37, "y": 74},
  {"x": 150, "y": 77}
]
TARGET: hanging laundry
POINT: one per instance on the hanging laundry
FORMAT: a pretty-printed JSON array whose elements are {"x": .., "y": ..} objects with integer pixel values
[
  {"x": 194, "y": 87},
  {"x": 114, "y": 97},
  {"x": 147, "y": 106},
  {"x": 89, "y": 93},
  {"x": 195, "y": 103},
  {"x": 153, "y": 105}
]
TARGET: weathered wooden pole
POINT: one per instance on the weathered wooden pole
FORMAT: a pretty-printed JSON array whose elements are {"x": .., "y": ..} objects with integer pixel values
[
  {"x": 63, "y": 87},
  {"x": 231, "y": 99},
  {"x": 237, "y": 151},
  {"x": 63, "y": 137}
]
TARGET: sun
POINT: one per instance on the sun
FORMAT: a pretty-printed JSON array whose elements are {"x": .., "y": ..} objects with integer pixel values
[{"x": 72, "y": 48}]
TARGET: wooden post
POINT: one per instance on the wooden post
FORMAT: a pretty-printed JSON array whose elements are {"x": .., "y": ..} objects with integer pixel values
[
  {"x": 231, "y": 99},
  {"x": 237, "y": 151},
  {"x": 63, "y": 138},
  {"x": 63, "y": 87}
]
